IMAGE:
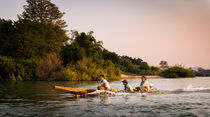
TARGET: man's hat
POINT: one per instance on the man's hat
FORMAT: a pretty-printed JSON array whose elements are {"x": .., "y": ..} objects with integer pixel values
[{"x": 125, "y": 81}]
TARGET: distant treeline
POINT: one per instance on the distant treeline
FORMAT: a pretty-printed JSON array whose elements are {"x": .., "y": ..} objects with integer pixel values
[
  {"x": 131, "y": 65},
  {"x": 177, "y": 72},
  {"x": 202, "y": 72}
]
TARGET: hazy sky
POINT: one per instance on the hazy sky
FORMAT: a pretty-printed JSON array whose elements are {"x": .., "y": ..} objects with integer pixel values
[{"x": 177, "y": 31}]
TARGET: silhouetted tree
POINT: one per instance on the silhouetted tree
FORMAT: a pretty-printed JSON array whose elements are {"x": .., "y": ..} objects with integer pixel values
[
  {"x": 43, "y": 11},
  {"x": 164, "y": 64}
]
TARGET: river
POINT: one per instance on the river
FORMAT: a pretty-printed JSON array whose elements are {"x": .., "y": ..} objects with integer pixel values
[{"x": 186, "y": 97}]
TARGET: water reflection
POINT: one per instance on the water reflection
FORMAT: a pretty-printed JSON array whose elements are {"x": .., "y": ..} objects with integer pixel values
[{"x": 104, "y": 99}]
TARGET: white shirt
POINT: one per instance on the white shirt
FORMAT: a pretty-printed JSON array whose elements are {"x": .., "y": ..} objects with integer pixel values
[
  {"x": 103, "y": 82},
  {"x": 128, "y": 88},
  {"x": 145, "y": 84}
]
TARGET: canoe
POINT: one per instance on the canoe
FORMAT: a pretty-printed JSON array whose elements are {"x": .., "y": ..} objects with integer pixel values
[
  {"x": 75, "y": 91},
  {"x": 80, "y": 91}
]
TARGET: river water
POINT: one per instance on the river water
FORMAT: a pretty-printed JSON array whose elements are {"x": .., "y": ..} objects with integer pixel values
[{"x": 186, "y": 97}]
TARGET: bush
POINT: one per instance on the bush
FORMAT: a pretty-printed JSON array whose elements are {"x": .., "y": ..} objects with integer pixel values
[
  {"x": 70, "y": 75},
  {"x": 16, "y": 70},
  {"x": 111, "y": 72},
  {"x": 171, "y": 75},
  {"x": 177, "y": 71},
  {"x": 87, "y": 70}
]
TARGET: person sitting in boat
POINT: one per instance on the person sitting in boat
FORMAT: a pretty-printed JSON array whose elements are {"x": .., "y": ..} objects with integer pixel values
[
  {"x": 104, "y": 83},
  {"x": 127, "y": 86},
  {"x": 144, "y": 85}
]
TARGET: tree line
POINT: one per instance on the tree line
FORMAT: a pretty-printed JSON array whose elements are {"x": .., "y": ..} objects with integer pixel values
[{"x": 37, "y": 47}]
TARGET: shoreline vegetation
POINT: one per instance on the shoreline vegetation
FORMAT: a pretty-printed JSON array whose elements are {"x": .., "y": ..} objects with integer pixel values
[
  {"x": 37, "y": 47},
  {"x": 177, "y": 72}
]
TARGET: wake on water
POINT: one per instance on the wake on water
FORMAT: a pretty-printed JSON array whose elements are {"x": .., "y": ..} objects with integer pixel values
[
  {"x": 189, "y": 88},
  {"x": 121, "y": 93},
  {"x": 101, "y": 92}
]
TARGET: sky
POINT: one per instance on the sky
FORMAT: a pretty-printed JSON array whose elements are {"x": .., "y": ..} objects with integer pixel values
[{"x": 177, "y": 31}]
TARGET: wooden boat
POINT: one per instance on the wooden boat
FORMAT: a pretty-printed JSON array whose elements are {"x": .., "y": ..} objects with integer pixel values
[{"x": 80, "y": 91}]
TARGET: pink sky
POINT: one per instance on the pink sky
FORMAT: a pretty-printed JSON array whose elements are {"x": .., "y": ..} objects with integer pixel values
[{"x": 177, "y": 31}]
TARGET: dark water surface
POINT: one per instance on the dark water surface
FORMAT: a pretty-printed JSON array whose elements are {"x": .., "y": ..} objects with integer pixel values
[{"x": 187, "y": 97}]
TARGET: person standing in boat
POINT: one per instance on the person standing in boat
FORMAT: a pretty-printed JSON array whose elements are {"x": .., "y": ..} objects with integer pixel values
[
  {"x": 104, "y": 83},
  {"x": 127, "y": 87},
  {"x": 144, "y": 85}
]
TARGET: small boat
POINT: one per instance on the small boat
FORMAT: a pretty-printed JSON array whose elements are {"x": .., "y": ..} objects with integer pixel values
[{"x": 80, "y": 91}]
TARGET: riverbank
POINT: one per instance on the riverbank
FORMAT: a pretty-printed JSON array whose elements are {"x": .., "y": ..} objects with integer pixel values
[{"x": 133, "y": 76}]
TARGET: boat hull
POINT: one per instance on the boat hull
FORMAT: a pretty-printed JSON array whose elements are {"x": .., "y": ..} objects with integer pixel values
[{"x": 80, "y": 91}]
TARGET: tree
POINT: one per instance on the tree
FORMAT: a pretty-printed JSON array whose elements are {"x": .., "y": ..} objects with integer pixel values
[
  {"x": 27, "y": 39},
  {"x": 7, "y": 32},
  {"x": 107, "y": 55},
  {"x": 144, "y": 66},
  {"x": 72, "y": 53},
  {"x": 43, "y": 11},
  {"x": 164, "y": 64},
  {"x": 93, "y": 48},
  {"x": 137, "y": 61}
]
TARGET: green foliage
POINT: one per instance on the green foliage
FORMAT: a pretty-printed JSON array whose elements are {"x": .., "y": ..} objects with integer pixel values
[
  {"x": 24, "y": 43},
  {"x": 28, "y": 39},
  {"x": 111, "y": 72},
  {"x": 84, "y": 60},
  {"x": 129, "y": 64},
  {"x": 177, "y": 71},
  {"x": 16, "y": 70},
  {"x": 72, "y": 53},
  {"x": 140, "y": 64},
  {"x": 43, "y": 11},
  {"x": 170, "y": 75},
  {"x": 87, "y": 70},
  {"x": 70, "y": 74},
  {"x": 107, "y": 55},
  {"x": 92, "y": 48}
]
